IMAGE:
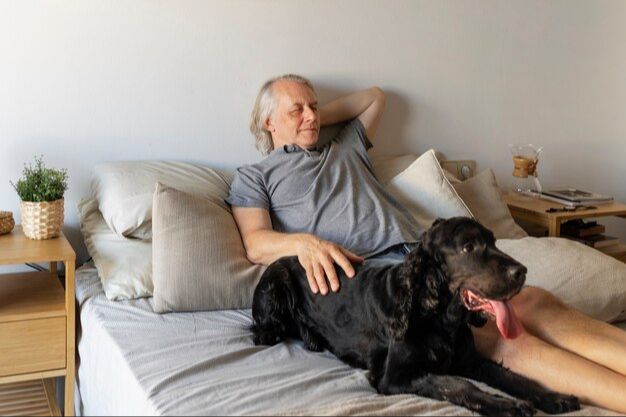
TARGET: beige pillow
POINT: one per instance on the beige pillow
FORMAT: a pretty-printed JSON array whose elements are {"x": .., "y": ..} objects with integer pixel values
[
  {"x": 582, "y": 277},
  {"x": 124, "y": 265},
  {"x": 482, "y": 195},
  {"x": 124, "y": 190},
  {"x": 426, "y": 193},
  {"x": 198, "y": 259},
  {"x": 387, "y": 167}
]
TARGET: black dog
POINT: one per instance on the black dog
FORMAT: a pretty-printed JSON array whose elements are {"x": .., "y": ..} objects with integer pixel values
[{"x": 409, "y": 323}]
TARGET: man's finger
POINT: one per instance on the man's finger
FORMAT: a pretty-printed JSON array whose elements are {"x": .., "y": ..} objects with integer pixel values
[
  {"x": 341, "y": 260},
  {"x": 320, "y": 278},
  {"x": 331, "y": 274},
  {"x": 311, "y": 278},
  {"x": 352, "y": 256}
]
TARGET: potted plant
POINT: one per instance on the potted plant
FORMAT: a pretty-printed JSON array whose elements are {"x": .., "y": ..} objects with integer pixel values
[{"x": 41, "y": 190}]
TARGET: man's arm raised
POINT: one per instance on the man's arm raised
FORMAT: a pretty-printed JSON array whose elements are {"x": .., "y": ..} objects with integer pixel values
[
  {"x": 368, "y": 105},
  {"x": 264, "y": 245}
]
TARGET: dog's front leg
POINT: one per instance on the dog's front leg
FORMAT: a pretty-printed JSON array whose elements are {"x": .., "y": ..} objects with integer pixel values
[
  {"x": 489, "y": 372},
  {"x": 463, "y": 393},
  {"x": 402, "y": 376}
]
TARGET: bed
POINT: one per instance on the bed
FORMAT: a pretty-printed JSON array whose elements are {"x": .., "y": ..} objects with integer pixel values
[{"x": 133, "y": 361}]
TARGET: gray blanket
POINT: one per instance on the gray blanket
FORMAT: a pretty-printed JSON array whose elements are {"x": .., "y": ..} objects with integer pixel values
[{"x": 135, "y": 362}]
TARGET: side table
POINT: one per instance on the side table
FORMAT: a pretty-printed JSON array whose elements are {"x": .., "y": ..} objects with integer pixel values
[
  {"x": 533, "y": 210},
  {"x": 37, "y": 319}
]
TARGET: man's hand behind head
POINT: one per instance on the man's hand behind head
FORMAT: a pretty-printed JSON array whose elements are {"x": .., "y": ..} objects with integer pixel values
[{"x": 318, "y": 256}]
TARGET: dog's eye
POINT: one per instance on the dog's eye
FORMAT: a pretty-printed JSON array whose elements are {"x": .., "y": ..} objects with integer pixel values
[{"x": 468, "y": 247}]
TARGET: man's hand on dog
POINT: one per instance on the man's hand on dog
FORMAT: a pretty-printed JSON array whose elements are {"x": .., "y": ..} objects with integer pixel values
[{"x": 317, "y": 257}]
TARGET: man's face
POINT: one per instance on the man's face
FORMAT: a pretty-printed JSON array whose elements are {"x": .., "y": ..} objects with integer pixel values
[{"x": 296, "y": 119}]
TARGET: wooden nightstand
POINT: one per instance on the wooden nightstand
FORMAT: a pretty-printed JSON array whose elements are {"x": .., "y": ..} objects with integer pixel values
[
  {"x": 533, "y": 210},
  {"x": 37, "y": 322}
]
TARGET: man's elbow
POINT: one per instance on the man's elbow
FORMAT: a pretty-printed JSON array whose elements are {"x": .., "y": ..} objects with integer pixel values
[
  {"x": 379, "y": 94},
  {"x": 253, "y": 255}
]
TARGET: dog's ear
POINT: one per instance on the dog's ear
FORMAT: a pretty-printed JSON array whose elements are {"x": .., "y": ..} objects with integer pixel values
[
  {"x": 437, "y": 221},
  {"x": 411, "y": 268}
]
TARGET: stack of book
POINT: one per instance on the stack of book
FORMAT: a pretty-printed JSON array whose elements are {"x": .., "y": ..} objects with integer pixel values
[{"x": 591, "y": 234}]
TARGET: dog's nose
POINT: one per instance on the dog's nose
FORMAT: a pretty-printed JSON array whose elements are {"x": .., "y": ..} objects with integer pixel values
[{"x": 517, "y": 273}]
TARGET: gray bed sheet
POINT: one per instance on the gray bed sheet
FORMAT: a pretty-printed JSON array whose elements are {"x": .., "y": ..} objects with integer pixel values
[{"x": 135, "y": 362}]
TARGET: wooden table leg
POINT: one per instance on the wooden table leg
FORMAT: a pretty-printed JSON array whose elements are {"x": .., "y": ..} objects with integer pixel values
[
  {"x": 554, "y": 228},
  {"x": 70, "y": 307}
]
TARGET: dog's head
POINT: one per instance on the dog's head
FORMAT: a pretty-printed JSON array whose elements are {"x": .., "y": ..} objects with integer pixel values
[{"x": 475, "y": 270}]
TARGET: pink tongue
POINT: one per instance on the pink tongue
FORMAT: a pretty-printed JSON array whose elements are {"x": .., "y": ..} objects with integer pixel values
[{"x": 508, "y": 323}]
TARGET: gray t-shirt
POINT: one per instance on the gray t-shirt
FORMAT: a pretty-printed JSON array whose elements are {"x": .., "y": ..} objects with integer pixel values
[{"x": 329, "y": 191}]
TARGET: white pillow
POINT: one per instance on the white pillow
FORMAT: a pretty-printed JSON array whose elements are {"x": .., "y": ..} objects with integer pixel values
[
  {"x": 426, "y": 193},
  {"x": 482, "y": 195},
  {"x": 124, "y": 265},
  {"x": 124, "y": 190},
  {"x": 582, "y": 277}
]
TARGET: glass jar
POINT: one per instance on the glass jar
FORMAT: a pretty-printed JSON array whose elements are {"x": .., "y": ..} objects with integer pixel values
[{"x": 525, "y": 160}]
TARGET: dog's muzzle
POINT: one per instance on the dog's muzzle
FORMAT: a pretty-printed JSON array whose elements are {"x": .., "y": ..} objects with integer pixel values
[{"x": 499, "y": 310}]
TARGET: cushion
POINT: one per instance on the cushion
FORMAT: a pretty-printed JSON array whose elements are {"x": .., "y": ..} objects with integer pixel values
[
  {"x": 124, "y": 190},
  {"x": 582, "y": 277},
  {"x": 426, "y": 193},
  {"x": 199, "y": 261},
  {"x": 483, "y": 197},
  {"x": 124, "y": 265},
  {"x": 387, "y": 167}
]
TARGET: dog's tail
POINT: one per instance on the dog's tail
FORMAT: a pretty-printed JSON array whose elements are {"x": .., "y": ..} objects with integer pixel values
[{"x": 273, "y": 306}]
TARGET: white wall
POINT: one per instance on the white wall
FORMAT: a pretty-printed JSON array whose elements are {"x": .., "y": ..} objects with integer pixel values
[{"x": 89, "y": 81}]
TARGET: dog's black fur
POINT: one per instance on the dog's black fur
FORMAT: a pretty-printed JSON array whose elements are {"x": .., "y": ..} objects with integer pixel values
[{"x": 407, "y": 323}]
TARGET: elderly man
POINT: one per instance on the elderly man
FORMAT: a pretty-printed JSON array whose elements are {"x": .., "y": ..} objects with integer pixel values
[{"x": 322, "y": 203}]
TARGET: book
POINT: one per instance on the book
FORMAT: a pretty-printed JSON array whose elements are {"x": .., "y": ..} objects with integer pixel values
[
  {"x": 567, "y": 203},
  {"x": 575, "y": 195},
  {"x": 580, "y": 228},
  {"x": 596, "y": 241}
]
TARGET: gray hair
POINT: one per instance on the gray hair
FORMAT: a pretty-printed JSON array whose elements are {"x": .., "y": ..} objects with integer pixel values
[{"x": 264, "y": 106}]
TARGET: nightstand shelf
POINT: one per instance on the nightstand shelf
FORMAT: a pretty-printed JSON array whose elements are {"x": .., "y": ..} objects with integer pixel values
[
  {"x": 616, "y": 251},
  {"x": 37, "y": 326},
  {"x": 533, "y": 211},
  {"x": 30, "y": 398}
]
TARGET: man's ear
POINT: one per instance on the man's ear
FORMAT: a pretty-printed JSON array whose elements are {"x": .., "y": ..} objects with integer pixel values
[{"x": 269, "y": 125}]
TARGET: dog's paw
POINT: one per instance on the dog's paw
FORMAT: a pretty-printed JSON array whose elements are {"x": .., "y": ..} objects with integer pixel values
[
  {"x": 313, "y": 346},
  {"x": 512, "y": 408},
  {"x": 523, "y": 409},
  {"x": 555, "y": 403},
  {"x": 266, "y": 338}
]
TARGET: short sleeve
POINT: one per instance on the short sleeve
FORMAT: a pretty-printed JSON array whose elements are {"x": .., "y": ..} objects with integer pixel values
[
  {"x": 354, "y": 135},
  {"x": 362, "y": 134},
  {"x": 248, "y": 189}
]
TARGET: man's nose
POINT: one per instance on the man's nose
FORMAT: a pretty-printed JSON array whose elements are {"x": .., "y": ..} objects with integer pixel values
[{"x": 309, "y": 113}]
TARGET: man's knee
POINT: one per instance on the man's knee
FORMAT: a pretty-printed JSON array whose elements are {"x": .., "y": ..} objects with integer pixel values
[{"x": 531, "y": 300}]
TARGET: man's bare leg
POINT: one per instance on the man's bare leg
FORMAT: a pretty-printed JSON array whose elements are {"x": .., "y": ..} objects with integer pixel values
[
  {"x": 554, "y": 368},
  {"x": 548, "y": 318}
]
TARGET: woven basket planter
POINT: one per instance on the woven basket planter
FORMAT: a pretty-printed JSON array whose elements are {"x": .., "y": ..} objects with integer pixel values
[
  {"x": 42, "y": 221},
  {"x": 6, "y": 222}
]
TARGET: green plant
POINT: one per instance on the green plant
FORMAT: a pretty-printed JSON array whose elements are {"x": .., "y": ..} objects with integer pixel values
[{"x": 39, "y": 183}]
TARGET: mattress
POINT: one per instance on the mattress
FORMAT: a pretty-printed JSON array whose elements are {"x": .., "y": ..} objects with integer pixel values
[{"x": 135, "y": 362}]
